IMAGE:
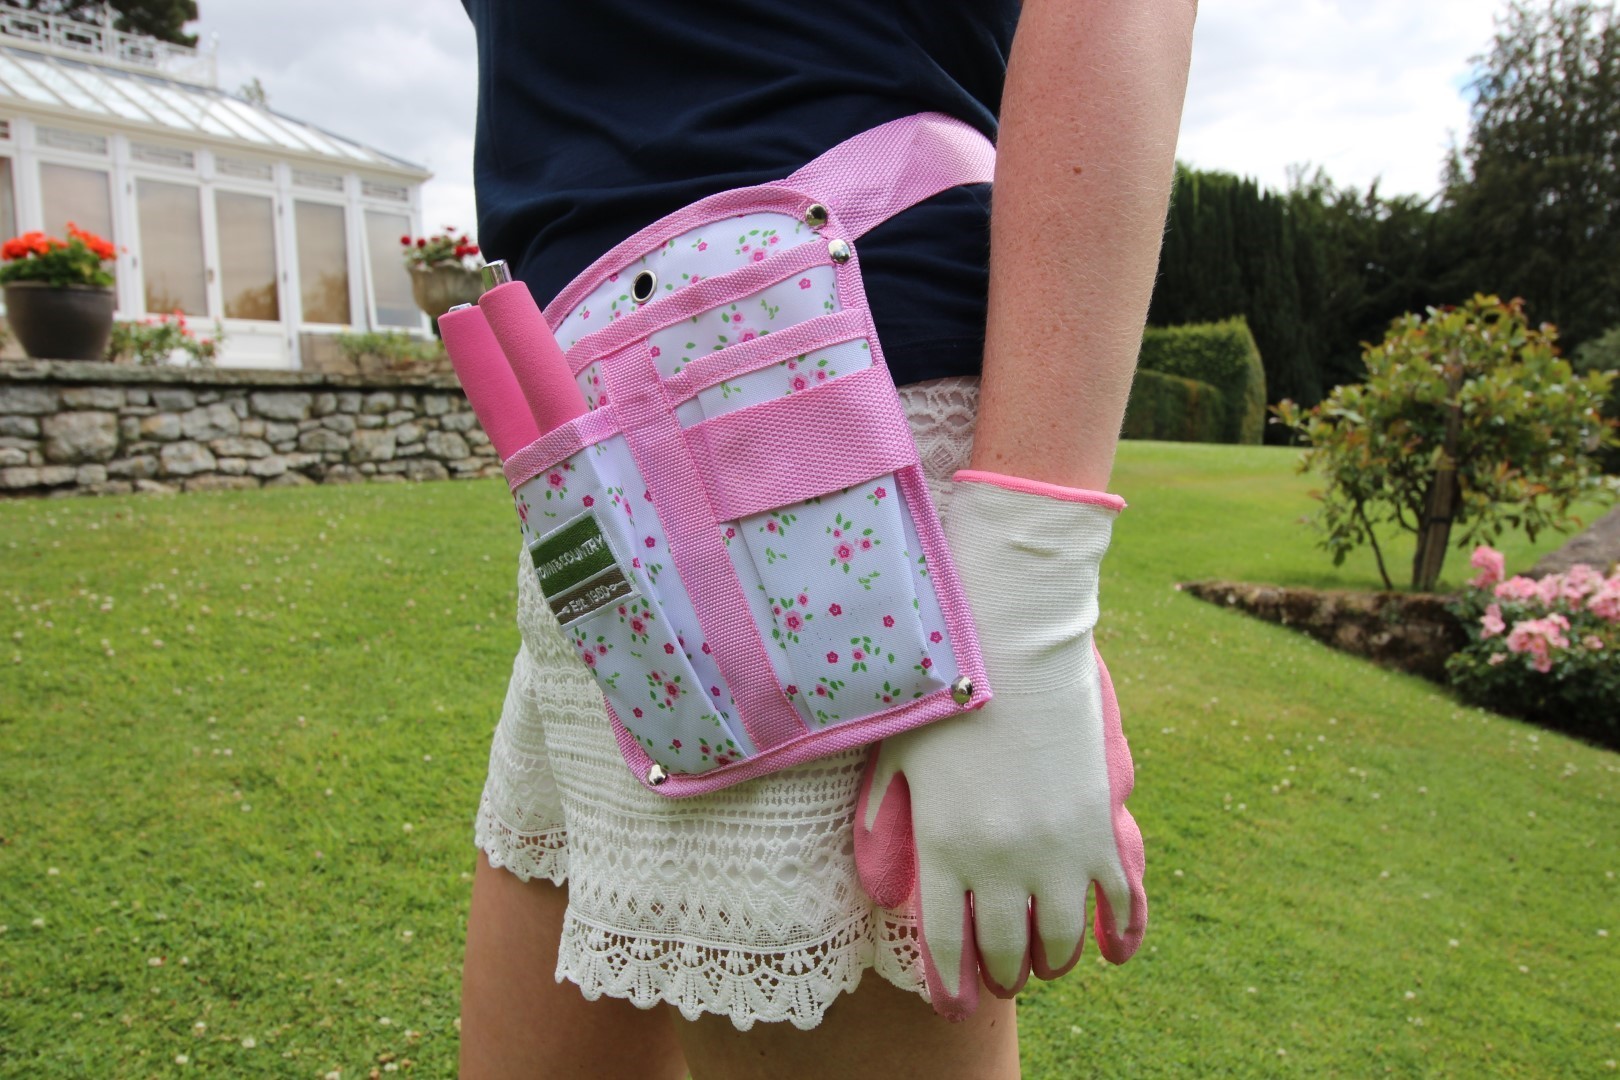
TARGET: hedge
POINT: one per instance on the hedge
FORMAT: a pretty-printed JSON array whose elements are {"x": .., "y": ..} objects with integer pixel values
[
  {"x": 1172, "y": 409},
  {"x": 1221, "y": 354}
]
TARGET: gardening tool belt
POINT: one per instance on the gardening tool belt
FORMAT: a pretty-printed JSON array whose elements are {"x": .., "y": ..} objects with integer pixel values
[{"x": 737, "y": 536}]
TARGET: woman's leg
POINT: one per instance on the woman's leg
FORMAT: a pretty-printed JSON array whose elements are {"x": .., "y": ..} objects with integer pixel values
[
  {"x": 879, "y": 1031},
  {"x": 518, "y": 1021}
]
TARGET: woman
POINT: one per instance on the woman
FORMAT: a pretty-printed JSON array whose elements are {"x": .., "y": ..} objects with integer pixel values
[{"x": 742, "y": 909}]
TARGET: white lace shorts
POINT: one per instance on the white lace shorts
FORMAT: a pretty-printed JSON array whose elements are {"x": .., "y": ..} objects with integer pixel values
[{"x": 744, "y": 902}]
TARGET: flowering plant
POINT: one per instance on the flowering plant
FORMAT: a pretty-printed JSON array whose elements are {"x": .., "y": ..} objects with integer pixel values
[
  {"x": 1546, "y": 650},
  {"x": 78, "y": 260},
  {"x": 154, "y": 339},
  {"x": 448, "y": 248}
]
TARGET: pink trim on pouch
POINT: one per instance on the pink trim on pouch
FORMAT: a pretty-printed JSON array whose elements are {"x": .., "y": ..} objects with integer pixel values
[{"x": 737, "y": 360}]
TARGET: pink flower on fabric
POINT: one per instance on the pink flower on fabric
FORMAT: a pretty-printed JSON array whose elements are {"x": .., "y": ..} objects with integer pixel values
[
  {"x": 671, "y": 690},
  {"x": 758, "y": 255},
  {"x": 637, "y": 626},
  {"x": 650, "y": 542},
  {"x": 555, "y": 480},
  {"x": 601, "y": 401},
  {"x": 731, "y": 534},
  {"x": 790, "y": 689},
  {"x": 804, "y": 283},
  {"x": 703, "y": 245},
  {"x": 880, "y": 494},
  {"x": 821, "y": 690},
  {"x": 714, "y": 691},
  {"x": 834, "y": 609},
  {"x": 844, "y": 552},
  {"x": 1518, "y": 588},
  {"x": 773, "y": 240},
  {"x": 1490, "y": 563},
  {"x": 857, "y": 655},
  {"x": 746, "y": 247},
  {"x": 866, "y": 544},
  {"x": 737, "y": 317},
  {"x": 1593, "y": 642},
  {"x": 936, "y": 637},
  {"x": 775, "y": 610},
  {"x": 705, "y": 648},
  {"x": 794, "y": 620},
  {"x": 770, "y": 526},
  {"x": 647, "y": 494},
  {"x": 748, "y": 335},
  {"x": 654, "y": 352},
  {"x": 676, "y": 743},
  {"x": 792, "y": 365},
  {"x": 636, "y": 713},
  {"x": 928, "y": 662},
  {"x": 799, "y": 382},
  {"x": 585, "y": 314},
  {"x": 821, "y": 376},
  {"x": 590, "y": 659},
  {"x": 832, "y": 658},
  {"x": 588, "y": 501},
  {"x": 613, "y": 277},
  {"x": 888, "y": 620},
  {"x": 1492, "y": 623},
  {"x": 636, "y": 562},
  {"x": 669, "y": 648},
  {"x": 803, "y": 599}
]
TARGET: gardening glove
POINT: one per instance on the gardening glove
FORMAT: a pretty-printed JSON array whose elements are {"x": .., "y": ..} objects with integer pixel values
[{"x": 1000, "y": 820}]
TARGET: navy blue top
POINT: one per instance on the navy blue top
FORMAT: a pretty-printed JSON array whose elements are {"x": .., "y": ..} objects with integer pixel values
[{"x": 596, "y": 118}]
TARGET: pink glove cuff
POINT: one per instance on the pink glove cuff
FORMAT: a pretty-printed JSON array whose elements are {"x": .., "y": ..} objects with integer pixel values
[{"x": 1035, "y": 487}]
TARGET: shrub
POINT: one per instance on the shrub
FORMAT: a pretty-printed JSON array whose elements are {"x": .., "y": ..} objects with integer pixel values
[
  {"x": 75, "y": 261},
  {"x": 1603, "y": 354},
  {"x": 1469, "y": 419},
  {"x": 1173, "y": 409},
  {"x": 1222, "y": 354},
  {"x": 1548, "y": 650},
  {"x": 156, "y": 338},
  {"x": 389, "y": 351}
]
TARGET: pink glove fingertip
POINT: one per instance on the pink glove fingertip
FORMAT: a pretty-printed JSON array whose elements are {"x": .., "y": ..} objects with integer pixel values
[
  {"x": 961, "y": 1005},
  {"x": 1118, "y": 948},
  {"x": 886, "y": 853},
  {"x": 1024, "y": 969}
]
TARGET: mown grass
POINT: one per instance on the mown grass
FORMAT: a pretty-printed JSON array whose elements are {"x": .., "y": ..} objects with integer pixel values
[{"x": 242, "y": 735}]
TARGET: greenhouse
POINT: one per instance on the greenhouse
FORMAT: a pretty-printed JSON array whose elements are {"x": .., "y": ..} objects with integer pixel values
[{"x": 220, "y": 208}]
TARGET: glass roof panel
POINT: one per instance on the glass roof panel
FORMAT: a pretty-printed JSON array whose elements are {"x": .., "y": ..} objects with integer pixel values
[
  {"x": 108, "y": 93},
  {"x": 63, "y": 87},
  {"x": 25, "y": 85}
]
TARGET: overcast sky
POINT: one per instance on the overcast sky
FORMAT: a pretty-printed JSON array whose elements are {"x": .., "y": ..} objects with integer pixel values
[{"x": 1367, "y": 88}]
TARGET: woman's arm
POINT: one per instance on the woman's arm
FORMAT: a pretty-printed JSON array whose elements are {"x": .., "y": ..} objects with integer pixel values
[{"x": 1086, "y": 156}]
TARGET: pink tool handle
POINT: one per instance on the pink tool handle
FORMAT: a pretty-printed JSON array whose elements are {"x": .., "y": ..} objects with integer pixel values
[
  {"x": 537, "y": 361},
  {"x": 487, "y": 380}
]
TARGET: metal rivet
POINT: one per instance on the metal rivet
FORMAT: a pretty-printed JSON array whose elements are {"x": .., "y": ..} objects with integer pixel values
[
  {"x": 459, "y": 307},
  {"x": 656, "y": 775},
  {"x": 961, "y": 689},
  {"x": 641, "y": 289},
  {"x": 815, "y": 215},
  {"x": 839, "y": 251},
  {"x": 496, "y": 273}
]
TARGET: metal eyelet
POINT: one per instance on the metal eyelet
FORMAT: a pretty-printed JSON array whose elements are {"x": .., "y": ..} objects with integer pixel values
[
  {"x": 815, "y": 215},
  {"x": 961, "y": 689},
  {"x": 656, "y": 775},
  {"x": 838, "y": 251},
  {"x": 643, "y": 287}
]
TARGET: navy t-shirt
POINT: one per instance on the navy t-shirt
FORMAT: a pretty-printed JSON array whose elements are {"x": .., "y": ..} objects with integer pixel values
[{"x": 599, "y": 117}]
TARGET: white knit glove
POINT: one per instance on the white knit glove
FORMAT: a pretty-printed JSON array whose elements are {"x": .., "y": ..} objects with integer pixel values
[{"x": 1000, "y": 820}]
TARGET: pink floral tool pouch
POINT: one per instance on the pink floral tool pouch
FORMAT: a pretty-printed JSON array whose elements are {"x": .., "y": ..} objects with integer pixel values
[{"x": 737, "y": 536}]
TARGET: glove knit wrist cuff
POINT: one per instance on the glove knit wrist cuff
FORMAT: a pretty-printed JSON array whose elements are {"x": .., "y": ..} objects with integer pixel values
[{"x": 1036, "y": 487}]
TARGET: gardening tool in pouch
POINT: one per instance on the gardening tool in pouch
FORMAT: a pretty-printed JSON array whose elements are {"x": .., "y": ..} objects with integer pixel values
[{"x": 723, "y": 503}]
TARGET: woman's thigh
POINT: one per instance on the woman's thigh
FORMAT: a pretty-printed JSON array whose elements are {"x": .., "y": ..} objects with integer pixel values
[
  {"x": 518, "y": 1021},
  {"x": 879, "y": 1031}
]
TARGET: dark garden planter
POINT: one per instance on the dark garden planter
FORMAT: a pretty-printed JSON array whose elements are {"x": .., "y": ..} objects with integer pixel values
[{"x": 67, "y": 322}]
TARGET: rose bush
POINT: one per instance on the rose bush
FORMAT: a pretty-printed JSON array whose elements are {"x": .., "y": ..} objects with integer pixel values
[{"x": 1546, "y": 650}]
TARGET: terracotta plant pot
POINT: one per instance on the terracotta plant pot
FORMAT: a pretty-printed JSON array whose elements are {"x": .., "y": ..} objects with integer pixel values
[
  {"x": 437, "y": 289},
  {"x": 60, "y": 322}
]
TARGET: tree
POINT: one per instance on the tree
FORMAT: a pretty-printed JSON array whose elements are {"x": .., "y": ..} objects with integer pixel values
[
  {"x": 162, "y": 19},
  {"x": 1536, "y": 187},
  {"x": 1469, "y": 421}
]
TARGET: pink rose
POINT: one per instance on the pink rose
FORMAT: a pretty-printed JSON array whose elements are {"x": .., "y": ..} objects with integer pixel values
[
  {"x": 888, "y": 620},
  {"x": 555, "y": 480},
  {"x": 1581, "y": 582},
  {"x": 1538, "y": 638},
  {"x": 1518, "y": 588},
  {"x": 748, "y": 335},
  {"x": 675, "y": 743},
  {"x": 821, "y": 691},
  {"x": 844, "y": 552},
  {"x": 654, "y": 352},
  {"x": 590, "y": 659},
  {"x": 858, "y": 655},
  {"x": 790, "y": 689},
  {"x": 927, "y": 663},
  {"x": 588, "y": 501},
  {"x": 636, "y": 713},
  {"x": 669, "y": 648},
  {"x": 671, "y": 690},
  {"x": 794, "y": 621},
  {"x": 1605, "y": 603},
  {"x": 1492, "y": 623},
  {"x": 834, "y": 609},
  {"x": 758, "y": 255},
  {"x": 602, "y": 649},
  {"x": 770, "y": 526},
  {"x": 832, "y": 658},
  {"x": 799, "y": 382},
  {"x": 637, "y": 626},
  {"x": 804, "y": 283},
  {"x": 936, "y": 637},
  {"x": 1490, "y": 563},
  {"x": 650, "y": 542},
  {"x": 714, "y": 691},
  {"x": 803, "y": 599},
  {"x": 703, "y": 245},
  {"x": 880, "y": 494},
  {"x": 821, "y": 376},
  {"x": 866, "y": 544}
]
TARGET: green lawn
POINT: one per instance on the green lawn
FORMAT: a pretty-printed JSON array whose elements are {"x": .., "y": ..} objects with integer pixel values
[{"x": 242, "y": 736}]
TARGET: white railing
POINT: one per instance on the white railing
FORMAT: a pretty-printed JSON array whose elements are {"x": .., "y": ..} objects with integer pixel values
[{"x": 100, "y": 43}]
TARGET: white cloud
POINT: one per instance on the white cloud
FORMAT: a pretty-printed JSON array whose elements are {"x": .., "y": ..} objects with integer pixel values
[{"x": 1367, "y": 89}]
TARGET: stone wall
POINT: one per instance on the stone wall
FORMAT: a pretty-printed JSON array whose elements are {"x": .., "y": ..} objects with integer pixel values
[{"x": 91, "y": 428}]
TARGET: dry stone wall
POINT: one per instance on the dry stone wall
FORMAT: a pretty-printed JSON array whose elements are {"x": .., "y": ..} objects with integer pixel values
[{"x": 87, "y": 428}]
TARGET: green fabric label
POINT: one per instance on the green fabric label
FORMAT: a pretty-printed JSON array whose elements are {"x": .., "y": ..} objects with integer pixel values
[{"x": 565, "y": 558}]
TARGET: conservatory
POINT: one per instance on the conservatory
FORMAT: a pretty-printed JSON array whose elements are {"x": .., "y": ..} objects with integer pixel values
[{"x": 222, "y": 209}]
